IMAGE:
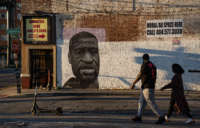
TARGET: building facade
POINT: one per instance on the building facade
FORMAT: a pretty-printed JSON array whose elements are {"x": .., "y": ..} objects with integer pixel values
[
  {"x": 10, "y": 20},
  {"x": 167, "y": 30}
]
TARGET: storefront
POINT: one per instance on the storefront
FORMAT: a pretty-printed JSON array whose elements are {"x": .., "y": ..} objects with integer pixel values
[
  {"x": 38, "y": 52},
  {"x": 9, "y": 22}
]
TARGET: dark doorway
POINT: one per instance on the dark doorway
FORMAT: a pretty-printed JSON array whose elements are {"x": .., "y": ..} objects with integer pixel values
[{"x": 41, "y": 68}]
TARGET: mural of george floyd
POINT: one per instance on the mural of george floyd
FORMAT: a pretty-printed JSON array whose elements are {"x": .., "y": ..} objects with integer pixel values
[
  {"x": 167, "y": 30},
  {"x": 120, "y": 60}
]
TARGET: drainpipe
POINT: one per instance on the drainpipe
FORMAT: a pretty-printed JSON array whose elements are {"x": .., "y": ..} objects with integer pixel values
[
  {"x": 10, "y": 24},
  {"x": 8, "y": 36},
  {"x": 134, "y": 6}
]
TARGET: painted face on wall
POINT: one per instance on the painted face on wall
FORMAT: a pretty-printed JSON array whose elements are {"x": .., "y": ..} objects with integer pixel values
[{"x": 84, "y": 58}]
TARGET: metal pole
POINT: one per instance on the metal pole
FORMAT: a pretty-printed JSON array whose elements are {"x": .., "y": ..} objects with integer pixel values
[
  {"x": 35, "y": 109},
  {"x": 18, "y": 81},
  {"x": 8, "y": 38},
  {"x": 134, "y": 6}
]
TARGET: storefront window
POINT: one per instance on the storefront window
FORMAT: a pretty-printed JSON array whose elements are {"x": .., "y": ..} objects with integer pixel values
[
  {"x": 2, "y": 26},
  {"x": 18, "y": 5},
  {"x": 3, "y": 15},
  {"x": 3, "y": 37},
  {"x": 3, "y": 7}
]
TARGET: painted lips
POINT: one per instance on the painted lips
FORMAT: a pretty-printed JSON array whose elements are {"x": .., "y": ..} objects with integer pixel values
[{"x": 87, "y": 71}]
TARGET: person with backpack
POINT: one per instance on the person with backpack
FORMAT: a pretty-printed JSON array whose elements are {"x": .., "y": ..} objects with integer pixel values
[
  {"x": 178, "y": 100},
  {"x": 147, "y": 75}
]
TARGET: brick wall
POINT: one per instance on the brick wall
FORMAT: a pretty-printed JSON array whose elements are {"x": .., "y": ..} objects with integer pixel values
[
  {"x": 29, "y": 6},
  {"x": 117, "y": 27},
  {"x": 125, "y": 37},
  {"x": 148, "y": 7},
  {"x": 128, "y": 24}
]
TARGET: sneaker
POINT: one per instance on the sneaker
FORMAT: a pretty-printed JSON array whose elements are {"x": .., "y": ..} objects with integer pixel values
[
  {"x": 160, "y": 120},
  {"x": 166, "y": 118},
  {"x": 137, "y": 119},
  {"x": 189, "y": 121}
]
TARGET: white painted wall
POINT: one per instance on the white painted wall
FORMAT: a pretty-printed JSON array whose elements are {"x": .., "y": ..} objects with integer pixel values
[{"x": 120, "y": 62}]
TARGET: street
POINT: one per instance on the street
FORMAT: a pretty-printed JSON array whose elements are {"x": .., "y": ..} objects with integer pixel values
[
  {"x": 84, "y": 108},
  {"x": 89, "y": 109}
]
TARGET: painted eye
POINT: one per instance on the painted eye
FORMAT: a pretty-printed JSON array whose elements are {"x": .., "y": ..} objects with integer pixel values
[
  {"x": 94, "y": 51},
  {"x": 79, "y": 51}
]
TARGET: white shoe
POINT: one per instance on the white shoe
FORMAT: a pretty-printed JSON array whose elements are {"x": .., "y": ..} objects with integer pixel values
[
  {"x": 189, "y": 121},
  {"x": 166, "y": 118}
]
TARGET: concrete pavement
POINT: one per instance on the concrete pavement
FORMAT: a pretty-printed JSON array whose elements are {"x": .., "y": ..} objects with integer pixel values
[
  {"x": 84, "y": 108},
  {"x": 88, "y": 109}
]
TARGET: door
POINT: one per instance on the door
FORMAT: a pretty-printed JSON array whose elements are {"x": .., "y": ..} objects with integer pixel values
[{"x": 41, "y": 68}]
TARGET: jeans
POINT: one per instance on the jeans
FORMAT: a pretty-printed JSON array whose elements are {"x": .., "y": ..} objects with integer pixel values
[{"x": 147, "y": 97}]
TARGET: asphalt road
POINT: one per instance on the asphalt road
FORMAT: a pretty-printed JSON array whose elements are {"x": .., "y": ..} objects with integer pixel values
[{"x": 86, "y": 110}]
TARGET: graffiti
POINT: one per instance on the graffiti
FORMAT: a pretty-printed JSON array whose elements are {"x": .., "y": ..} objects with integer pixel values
[{"x": 176, "y": 42}]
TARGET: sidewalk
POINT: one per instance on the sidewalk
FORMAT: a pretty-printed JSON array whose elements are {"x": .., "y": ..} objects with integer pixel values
[{"x": 12, "y": 92}]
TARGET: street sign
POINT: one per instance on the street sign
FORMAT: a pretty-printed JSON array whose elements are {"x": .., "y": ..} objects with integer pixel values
[{"x": 13, "y": 31}]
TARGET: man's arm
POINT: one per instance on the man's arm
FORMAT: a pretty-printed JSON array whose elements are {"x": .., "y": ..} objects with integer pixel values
[{"x": 136, "y": 80}]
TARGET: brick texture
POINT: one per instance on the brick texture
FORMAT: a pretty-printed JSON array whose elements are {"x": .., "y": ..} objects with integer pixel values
[
  {"x": 29, "y": 6},
  {"x": 117, "y": 27},
  {"x": 122, "y": 20}
]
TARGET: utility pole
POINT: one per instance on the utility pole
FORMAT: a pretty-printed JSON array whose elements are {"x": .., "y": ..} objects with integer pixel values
[
  {"x": 8, "y": 37},
  {"x": 67, "y": 5}
]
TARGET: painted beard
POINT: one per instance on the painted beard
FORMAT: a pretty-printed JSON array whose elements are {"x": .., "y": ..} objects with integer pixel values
[{"x": 87, "y": 74}]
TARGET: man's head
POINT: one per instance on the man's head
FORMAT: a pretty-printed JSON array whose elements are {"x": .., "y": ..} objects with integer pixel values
[
  {"x": 84, "y": 56},
  {"x": 145, "y": 58}
]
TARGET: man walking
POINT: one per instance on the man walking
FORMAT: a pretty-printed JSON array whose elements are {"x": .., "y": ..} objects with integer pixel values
[{"x": 147, "y": 75}]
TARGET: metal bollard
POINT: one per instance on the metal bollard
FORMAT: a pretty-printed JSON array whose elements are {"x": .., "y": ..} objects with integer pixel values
[
  {"x": 35, "y": 109},
  {"x": 18, "y": 82}
]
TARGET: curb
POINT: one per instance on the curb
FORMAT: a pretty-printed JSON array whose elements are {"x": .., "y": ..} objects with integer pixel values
[{"x": 12, "y": 92}]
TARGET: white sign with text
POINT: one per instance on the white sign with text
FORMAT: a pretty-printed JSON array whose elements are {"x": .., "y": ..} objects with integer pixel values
[{"x": 164, "y": 28}]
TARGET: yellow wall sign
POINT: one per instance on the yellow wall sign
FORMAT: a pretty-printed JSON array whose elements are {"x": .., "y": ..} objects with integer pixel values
[{"x": 37, "y": 29}]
